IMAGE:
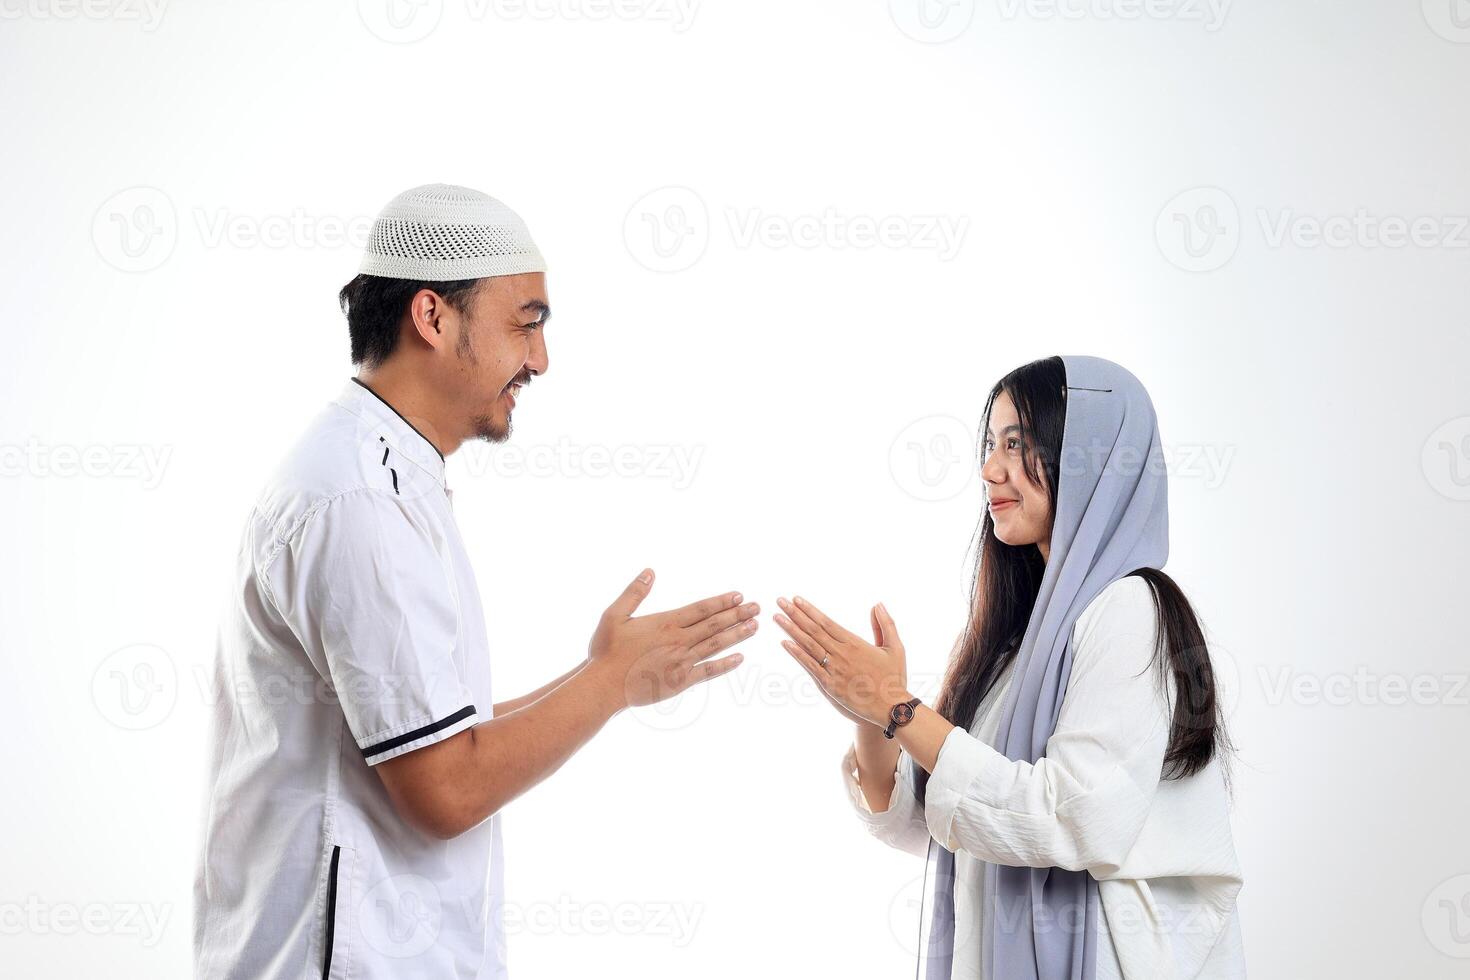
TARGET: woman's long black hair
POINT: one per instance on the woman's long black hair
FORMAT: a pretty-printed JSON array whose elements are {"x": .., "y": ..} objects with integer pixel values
[{"x": 1008, "y": 577}]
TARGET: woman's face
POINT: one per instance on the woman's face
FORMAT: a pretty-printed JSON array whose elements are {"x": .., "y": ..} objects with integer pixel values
[{"x": 1020, "y": 508}]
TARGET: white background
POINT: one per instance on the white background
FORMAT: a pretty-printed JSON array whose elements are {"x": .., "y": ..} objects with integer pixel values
[{"x": 1136, "y": 182}]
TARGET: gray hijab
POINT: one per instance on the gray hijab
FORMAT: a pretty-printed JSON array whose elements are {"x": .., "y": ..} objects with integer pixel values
[{"x": 1111, "y": 518}]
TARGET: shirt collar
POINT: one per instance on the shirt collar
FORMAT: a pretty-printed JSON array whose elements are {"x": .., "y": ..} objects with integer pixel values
[{"x": 369, "y": 406}]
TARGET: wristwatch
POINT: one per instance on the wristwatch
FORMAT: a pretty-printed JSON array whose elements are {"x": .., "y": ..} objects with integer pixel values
[{"x": 899, "y": 715}]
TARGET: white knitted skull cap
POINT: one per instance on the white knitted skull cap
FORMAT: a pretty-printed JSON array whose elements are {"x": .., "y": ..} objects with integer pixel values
[{"x": 440, "y": 232}]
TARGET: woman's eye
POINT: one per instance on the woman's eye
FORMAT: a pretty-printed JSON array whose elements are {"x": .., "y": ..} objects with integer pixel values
[{"x": 1013, "y": 443}]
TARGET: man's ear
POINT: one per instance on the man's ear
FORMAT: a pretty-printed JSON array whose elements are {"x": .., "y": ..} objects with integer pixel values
[{"x": 426, "y": 310}]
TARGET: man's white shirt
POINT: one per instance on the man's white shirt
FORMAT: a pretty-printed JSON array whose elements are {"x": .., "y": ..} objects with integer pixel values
[{"x": 354, "y": 634}]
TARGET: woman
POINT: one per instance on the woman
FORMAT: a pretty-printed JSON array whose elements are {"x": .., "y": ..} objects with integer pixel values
[{"x": 1069, "y": 782}]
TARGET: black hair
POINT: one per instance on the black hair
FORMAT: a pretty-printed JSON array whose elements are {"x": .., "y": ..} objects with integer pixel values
[
  {"x": 1007, "y": 578},
  {"x": 375, "y": 305}
]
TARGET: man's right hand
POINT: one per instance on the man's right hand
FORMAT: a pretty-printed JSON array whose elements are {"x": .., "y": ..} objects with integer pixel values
[
  {"x": 450, "y": 786},
  {"x": 660, "y": 655}
]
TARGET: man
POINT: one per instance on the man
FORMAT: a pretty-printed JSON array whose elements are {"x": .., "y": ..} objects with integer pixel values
[{"x": 358, "y": 761}]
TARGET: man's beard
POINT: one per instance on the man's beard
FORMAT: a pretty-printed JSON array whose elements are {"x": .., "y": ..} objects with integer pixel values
[
  {"x": 487, "y": 429},
  {"x": 483, "y": 426}
]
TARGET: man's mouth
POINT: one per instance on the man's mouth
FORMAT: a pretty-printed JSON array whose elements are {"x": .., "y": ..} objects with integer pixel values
[{"x": 511, "y": 390}]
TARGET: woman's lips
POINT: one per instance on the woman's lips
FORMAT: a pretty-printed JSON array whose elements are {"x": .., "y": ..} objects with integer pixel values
[{"x": 1000, "y": 504}]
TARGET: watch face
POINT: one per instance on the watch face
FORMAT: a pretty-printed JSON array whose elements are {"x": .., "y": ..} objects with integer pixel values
[{"x": 903, "y": 713}]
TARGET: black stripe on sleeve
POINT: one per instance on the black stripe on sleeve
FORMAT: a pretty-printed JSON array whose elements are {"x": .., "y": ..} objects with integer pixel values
[{"x": 429, "y": 729}]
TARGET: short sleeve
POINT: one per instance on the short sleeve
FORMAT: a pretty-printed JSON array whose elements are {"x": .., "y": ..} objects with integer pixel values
[{"x": 368, "y": 590}]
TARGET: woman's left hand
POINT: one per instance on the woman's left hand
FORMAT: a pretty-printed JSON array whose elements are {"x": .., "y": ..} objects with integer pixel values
[{"x": 865, "y": 679}]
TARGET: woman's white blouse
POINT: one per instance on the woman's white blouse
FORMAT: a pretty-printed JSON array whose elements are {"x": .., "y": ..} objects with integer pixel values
[{"x": 1160, "y": 850}]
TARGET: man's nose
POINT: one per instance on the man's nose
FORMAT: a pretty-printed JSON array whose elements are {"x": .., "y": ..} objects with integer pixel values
[{"x": 539, "y": 361}]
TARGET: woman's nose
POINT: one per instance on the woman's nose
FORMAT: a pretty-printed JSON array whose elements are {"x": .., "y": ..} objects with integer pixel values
[{"x": 991, "y": 471}]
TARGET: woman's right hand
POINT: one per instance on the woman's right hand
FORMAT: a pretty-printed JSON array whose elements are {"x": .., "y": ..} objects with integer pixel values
[{"x": 795, "y": 651}]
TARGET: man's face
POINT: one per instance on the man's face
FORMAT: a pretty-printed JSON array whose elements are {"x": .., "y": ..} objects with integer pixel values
[{"x": 501, "y": 345}]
